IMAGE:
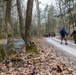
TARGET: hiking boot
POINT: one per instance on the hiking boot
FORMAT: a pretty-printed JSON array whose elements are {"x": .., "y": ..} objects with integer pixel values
[{"x": 61, "y": 42}]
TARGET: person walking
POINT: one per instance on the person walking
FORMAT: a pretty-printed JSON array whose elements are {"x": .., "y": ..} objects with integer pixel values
[
  {"x": 74, "y": 35},
  {"x": 63, "y": 35}
]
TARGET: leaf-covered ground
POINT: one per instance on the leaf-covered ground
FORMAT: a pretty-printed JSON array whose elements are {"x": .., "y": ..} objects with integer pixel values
[{"x": 49, "y": 62}]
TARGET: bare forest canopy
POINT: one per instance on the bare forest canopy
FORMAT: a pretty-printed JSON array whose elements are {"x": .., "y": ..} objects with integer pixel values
[{"x": 45, "y": 20}]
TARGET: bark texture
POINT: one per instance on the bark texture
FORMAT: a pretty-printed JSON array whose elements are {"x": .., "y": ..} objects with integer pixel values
[
  {"x": 28, "y": 23},
  {"x": 10, "y": 43},
  {"x": 20, "y": 19},
  {"x": 38, "y": 18}
]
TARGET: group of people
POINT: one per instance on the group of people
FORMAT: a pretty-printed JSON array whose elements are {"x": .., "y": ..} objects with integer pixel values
[{"x": 64, "y": 35}]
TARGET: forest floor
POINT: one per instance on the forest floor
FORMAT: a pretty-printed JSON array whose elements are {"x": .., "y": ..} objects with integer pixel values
[
  {"x": 49, "y": 62},
  {"x": 3, "y": 40}
]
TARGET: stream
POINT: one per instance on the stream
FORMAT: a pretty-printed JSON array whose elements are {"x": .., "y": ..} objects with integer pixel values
[{"x": 18, "y": 44}]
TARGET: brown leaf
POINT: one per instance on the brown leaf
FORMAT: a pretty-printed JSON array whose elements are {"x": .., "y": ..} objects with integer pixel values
[{"x": 59, "y": 68}]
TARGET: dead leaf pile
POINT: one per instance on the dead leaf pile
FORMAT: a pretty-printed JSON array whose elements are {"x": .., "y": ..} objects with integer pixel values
[{"x": 50, "y": 61}]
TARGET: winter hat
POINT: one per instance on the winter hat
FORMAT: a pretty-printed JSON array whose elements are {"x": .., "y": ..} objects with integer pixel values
[{"x": 63, "y": 27}]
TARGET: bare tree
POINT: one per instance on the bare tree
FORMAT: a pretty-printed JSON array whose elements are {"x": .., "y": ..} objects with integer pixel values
[
  {"x": 10, "y": 45},
  {"x": 61, "y": 14},
  {"x": 20, "y": 19},
  {"x": 28, "y": 23},
  {"x": 38, "y": 18}
]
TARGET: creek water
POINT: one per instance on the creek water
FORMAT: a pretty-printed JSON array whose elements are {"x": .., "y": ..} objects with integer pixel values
[{"x": 18, "y": 44}]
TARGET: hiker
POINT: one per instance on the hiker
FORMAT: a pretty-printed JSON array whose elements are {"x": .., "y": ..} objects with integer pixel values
[
  {"x": 63, "y": 35},
  {"x": 74, "y": 35},
  {"x": 54, "y": 35}
]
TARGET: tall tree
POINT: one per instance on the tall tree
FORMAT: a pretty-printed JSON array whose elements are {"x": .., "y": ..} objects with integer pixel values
[
  {"x": 38, "y": 18},
  {"x": 68, "y": 7},
  {"x": 61, "y": 13},
  {"x": 20, "y": 19},
  {"x": 10, "y": 45},
  {"x": 28, "y": 23},
  {"x": 1, "y": 16},
  {"x": 50, "y": 21}
]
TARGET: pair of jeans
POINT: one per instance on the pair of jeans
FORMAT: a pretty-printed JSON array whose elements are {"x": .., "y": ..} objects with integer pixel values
[{"x": 63, "y": 38}]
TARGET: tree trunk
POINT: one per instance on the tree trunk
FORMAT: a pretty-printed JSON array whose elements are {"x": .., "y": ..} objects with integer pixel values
[
  {"x": 10, "y": 44},
  {"x": 28, "y": 23},
  {"x": 61, "y": 15},
  {"x": 38, "y": 18},
  {"x": 1, "y": 17},
  {"x": 20, "y": 19}
]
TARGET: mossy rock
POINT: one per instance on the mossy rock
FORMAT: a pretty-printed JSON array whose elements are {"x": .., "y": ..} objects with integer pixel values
[
  {"x": 2, "y": 53},
  {"x": 33, "y": 48},
  {"x": 32, "y": 53}
]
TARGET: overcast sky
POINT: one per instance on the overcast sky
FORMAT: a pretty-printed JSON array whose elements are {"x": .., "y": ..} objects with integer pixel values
[{"x": 45, "y": 2}]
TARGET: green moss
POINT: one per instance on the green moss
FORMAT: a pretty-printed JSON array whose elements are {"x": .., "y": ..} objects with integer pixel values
[
  {"x": 32, "y": 53},
  {"x": 11, "y": 50},
  {"x": 3, "y": 35},
  {"x": 34, "y": 50},
  {"x": 30, "y": 56},
  {"x": 2, "y": 52}
]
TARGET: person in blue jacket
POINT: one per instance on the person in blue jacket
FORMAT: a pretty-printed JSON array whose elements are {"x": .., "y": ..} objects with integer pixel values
[{"x": 63, "y": 35}]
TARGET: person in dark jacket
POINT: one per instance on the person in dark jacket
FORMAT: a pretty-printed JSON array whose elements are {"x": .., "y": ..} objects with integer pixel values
[
  {"x": 63, "y": 35},
  {"x": 74, "y": 35}
]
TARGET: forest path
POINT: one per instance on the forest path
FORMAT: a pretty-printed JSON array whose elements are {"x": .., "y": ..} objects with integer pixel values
[{"x": 70, "y": 48}]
